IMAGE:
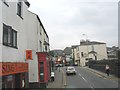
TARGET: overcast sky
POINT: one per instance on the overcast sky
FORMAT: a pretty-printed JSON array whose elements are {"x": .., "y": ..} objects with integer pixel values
[{"x": 66, "y": 21}]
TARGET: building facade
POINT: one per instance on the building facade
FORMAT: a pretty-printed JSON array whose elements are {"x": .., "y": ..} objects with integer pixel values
[
  {"x": 89, "y": 51},
  {"x": 38, "y": 42},
  {"x": 13, "y": 43},
  {"x": 22, "y": 36}
]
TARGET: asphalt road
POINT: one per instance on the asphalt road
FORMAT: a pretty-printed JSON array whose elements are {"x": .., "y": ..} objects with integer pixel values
[{"x": 87, "y": 79}]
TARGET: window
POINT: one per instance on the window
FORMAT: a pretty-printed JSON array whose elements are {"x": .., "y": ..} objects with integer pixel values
[
  {"x": 19, "y": 9},
  {"x": 9, "y": 36},
  {"x": 40, "y": 45},
  {"x": 42, "y": 71},
  {"x": 5, "y": 2},
  {"x": 82, "y": 54},
  {"x": 14, "y": 39}
]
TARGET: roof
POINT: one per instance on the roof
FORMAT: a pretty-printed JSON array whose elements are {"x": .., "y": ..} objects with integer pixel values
[
  {"x": 68, "y": 50},
  {"x": 92, "y": 52},
  {"x": 42, "y": 25},
  {"x": 91, "y": 43},
  {"x": 40, "y": 22},
  {"x": 74, "y": 46},
  {"x": 27, "y": 3}
]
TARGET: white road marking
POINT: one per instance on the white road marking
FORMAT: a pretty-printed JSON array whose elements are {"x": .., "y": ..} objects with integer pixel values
[
  {"x": 80, "y": 74},
  {"x": 86, "y": 81}
]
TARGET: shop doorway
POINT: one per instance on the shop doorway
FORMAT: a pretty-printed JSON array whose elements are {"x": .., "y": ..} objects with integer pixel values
[{"x": 17, "y": 81}]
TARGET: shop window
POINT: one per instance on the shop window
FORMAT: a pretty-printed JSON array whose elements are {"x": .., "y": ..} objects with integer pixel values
[
  {"x": 7, "y": 82},
  {"x": 9, "y": 36}
]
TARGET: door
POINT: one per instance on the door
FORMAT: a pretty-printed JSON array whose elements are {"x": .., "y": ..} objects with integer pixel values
[{"x": 41, "y": 71}]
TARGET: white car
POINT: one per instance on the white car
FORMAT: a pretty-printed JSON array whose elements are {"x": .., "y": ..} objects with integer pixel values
[
  {"x": 70, "y": 70},
  {"x": 52, "y": 76}
]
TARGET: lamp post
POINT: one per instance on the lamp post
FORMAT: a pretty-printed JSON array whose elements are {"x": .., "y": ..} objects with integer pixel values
[{"x": 87, "y": 44}]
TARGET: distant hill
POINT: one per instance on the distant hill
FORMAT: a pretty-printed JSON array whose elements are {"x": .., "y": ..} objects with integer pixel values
[{"x": 56, "y": 52}]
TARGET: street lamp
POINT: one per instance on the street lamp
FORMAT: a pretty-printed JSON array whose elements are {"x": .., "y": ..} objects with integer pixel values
[{"x": 86, "y": 44}]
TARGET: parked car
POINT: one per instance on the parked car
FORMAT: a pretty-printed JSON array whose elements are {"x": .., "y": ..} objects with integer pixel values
[
  {"x": 52, "y": 76},
  {"x": 70, "y": 70},
  {"x": 61, "y": 65},
  {"x": 56, "y": 65},
  {"x": 75, "y": 64}
]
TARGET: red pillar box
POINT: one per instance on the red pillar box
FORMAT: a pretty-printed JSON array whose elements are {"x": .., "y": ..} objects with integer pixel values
[{"x": 43, "y": 68}]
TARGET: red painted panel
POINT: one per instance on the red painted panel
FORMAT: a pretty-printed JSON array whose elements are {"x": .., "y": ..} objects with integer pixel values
[
  {"x": 42, "y": 58},
  {"x": 13, "y": 68}
]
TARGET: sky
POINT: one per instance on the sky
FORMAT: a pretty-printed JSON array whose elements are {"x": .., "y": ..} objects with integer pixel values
[{"x": 68, "y": 21}]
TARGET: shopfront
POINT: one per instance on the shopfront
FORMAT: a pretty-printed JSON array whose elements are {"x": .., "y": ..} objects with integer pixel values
[{"x": 14, "y": 75}]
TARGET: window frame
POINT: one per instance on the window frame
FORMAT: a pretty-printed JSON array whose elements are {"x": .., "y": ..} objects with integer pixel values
[
  {"x": 5, "y": 2},
  {"x": 14, "y": 42},
  {"x": 8, "y": 35},
  {"x": 19, "y": 9}
]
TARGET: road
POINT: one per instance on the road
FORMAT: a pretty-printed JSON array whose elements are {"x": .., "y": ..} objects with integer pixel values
[{"x": 87, "y": 79}]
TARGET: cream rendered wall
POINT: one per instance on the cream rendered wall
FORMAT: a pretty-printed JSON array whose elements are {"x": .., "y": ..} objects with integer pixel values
[
  {"x": 32, "y": 40},
  {"x": 10, "y": 17},
  {"x": 85, "y": 50},
  {"x": 100, "y": 49},
  {"x": 39, "y": 37},
  {"x": 42, "y": 38},
  {"x": 47, "y": 40}
]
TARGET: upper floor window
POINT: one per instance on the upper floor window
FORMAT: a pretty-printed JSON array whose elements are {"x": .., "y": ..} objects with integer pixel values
[
  {"x": 5, "y": 2},
  {"x": 40, "y": 45},
  {"x": 9, "y": 36},
  {"x": 82, "y": 54},
  {"x": 19, "y": 9}
]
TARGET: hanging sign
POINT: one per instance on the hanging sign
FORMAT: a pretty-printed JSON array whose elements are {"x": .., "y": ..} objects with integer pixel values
[{"x": 28, "y": 54}]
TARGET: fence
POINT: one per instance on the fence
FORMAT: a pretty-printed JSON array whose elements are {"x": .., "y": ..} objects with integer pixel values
[{"x": 100, "y": 66}]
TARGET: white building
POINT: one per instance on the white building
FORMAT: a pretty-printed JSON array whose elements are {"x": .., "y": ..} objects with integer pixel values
[
  {"x": 38, "y": 41},
  {"x": 13, "y": 43},
  {"x": 89, "y": 51},
  {"x": 20, "y": 31}
]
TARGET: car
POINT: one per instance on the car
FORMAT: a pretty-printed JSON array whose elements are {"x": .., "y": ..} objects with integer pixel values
[
  {"x": 70, "y": 70},
  {"x": 56, "y": 65},
  {"x": 75, "y": 64},
  {"x": 61, "y": 65},
  {"x": 52, "y": 76}
]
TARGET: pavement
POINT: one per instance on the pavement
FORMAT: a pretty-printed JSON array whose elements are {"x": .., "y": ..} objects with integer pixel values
[
  {"x": 58, "y": 80},
  {"x": 102, "y": 74}
]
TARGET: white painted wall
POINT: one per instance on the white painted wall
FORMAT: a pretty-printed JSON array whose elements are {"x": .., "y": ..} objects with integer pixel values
[
  {"x": 33, "y": 68},
  {"x": 10, "y": 17},
  {"x": 1, "y": 30},
  {"x": 39, "y": 37},
  {"x": 0, "y": 41},
  {"x": 32, "y": 40}
]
